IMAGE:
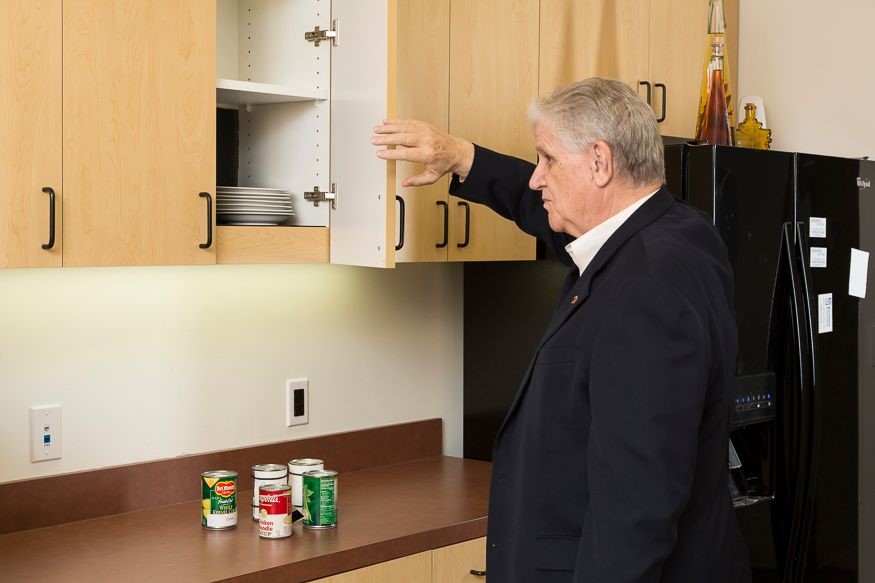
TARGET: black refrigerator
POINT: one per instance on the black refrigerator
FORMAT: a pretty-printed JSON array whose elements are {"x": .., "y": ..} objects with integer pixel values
[{"x": 802, "y": 440}]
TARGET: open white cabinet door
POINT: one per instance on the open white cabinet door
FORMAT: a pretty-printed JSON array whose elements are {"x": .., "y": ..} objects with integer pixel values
[{"x": 363, "y": 224}]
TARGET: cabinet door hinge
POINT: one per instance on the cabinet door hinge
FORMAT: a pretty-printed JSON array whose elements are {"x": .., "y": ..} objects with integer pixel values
[
  {"x": 318, "y": 196},
  {"x": 317, "y": 35}
]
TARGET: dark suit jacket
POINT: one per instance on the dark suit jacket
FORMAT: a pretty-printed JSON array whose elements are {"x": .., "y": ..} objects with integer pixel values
[{"x": 611, "y": 465}]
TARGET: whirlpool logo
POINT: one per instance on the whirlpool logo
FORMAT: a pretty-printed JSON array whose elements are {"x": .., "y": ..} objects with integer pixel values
[{"x": 863, "y": 184}]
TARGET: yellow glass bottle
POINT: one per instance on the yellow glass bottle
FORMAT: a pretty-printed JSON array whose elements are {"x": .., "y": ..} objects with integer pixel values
[
  {"x": 716, "y": 36},
  {"x": 751, "y": 133}
]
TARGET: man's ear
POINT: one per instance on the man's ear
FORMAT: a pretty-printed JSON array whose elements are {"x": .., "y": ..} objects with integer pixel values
[{"x": 602, "y": 163}]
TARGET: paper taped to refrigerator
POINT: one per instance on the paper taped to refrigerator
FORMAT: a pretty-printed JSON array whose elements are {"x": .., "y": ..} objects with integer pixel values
[
  {"x": 818, "y": 257},
  {"x": 817, "y": 227},
  {"x": 859, "y": 273},
  {"x": 824, "y": 313}
]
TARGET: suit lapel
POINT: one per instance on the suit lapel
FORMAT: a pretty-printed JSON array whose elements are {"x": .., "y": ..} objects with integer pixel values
[{"x": 575, "y": 296}]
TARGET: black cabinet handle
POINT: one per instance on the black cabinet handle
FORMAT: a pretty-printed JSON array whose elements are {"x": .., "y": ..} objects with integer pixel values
[
  {"x": 662, "y": 86},
  {"x": 51, "y": 192},
  {"x": 446, "y": 240},
  {"x": 400, "y": 223},
  {"x": 477, "y": 573},
  {"x": 649, "y": 91},
  {"x": 467, "y": 225},
  {"x": 209, "y": 242}
]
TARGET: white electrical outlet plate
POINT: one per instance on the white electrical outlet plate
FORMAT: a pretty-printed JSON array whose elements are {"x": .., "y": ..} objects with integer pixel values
[
  {"x": 297, "y": 402},
  {"x": 45, "y": 433}
]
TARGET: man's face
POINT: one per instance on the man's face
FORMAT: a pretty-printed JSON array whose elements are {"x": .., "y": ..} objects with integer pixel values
[{"x": 573, "y": 202}]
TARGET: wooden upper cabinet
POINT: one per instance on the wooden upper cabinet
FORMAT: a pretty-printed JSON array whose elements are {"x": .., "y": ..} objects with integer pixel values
[
  {"x": 494, "y": 77},
  {"x": 678, "y": 48},
  {"x": 139, "y": 131},
  {"x": 30, "y": 132},
  {"x": 654, "y": 41},
  {"x": 592, "y": 38},
  {"x": 363, "y": 77},
  {"x": 422, "y": 88}
]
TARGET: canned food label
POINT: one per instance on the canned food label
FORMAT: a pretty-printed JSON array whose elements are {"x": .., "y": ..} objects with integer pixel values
[
  {"x": 219, "y": 502},
  {"x": 257, "y": 484},
  {"x": 275, "y": 518},
  {"x": 319, "y": 501},
  {"x": 274, "y": 525}
]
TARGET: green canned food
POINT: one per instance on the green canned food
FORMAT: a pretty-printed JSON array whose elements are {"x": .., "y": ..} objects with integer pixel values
[
  {"x": 219, "y": 500},
  {"x": 320, "y": 499}
]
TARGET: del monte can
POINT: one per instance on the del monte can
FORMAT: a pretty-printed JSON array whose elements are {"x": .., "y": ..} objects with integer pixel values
[{"x": 219, "y": 499}]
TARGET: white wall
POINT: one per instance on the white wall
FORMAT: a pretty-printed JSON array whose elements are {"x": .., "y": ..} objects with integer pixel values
[
  {"x": 813, "y": 62},
  {"x": 151, "y": 363}
]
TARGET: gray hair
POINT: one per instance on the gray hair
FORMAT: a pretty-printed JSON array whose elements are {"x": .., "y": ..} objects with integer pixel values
[{"x": 607, "y": 110}]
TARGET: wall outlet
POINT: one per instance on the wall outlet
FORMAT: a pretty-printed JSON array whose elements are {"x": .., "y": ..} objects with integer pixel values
[
  {"x": 45, "y": 433},
  {"x": 297, "y": 402}
]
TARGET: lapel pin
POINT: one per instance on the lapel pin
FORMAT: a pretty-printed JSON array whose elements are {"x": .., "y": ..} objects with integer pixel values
[{"x": 574, "y": 299}]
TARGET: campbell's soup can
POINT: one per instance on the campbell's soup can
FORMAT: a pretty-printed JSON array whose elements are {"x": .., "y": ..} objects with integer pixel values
[
  {"x": 275, "y": 511},
  {"x": 262, "y": 475},
  {"x": 320, "y": 499},
  {"x": 219, "y": 499},
  {"x": 297, "y": 469}
]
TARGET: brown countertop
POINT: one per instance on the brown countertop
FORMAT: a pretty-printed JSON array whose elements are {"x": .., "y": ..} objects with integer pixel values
[{"x": 383, "y": 513}]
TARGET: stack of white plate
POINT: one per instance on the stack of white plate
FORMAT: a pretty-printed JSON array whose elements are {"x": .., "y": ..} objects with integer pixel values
[{"x": 244, "y": 205}]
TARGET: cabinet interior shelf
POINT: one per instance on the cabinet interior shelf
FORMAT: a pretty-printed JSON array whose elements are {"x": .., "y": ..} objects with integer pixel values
[{"x": 234, "y": 92}]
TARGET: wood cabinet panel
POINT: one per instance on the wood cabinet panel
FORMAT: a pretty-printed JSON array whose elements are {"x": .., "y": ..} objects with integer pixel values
[
  {"x": 678, "y": 47},
  {"x": 454, "y": 563},
  {"x": 422, "y": 89},
  {"x": 494, "y": 63},
  {"x": 236, "y": 245},
  {"x": 30, "y": 131},
  {"x": 659, "y": 41},
  {"x": 139, "y": 131},
  {"x": 412, "y": 569},
  {"x": 592, "y": 38}
]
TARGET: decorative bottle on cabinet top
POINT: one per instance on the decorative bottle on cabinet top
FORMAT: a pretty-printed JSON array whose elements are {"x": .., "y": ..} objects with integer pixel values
[
  {"x": 716, "y": 128},
  {"x": 751, "y": 133},
  {"x": 716, "y": 66}
]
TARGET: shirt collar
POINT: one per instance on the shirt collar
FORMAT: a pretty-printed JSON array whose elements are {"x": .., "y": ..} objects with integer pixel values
[{"x": 584, "y": 248}]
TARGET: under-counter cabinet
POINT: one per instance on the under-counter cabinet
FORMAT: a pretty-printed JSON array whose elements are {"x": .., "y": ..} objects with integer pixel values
[
  {"x": 411, "y": 569},
  {"x": 657, "y": 46},
  {"x": 30, "y": 133},
  {"x": 464, "y": 561}
]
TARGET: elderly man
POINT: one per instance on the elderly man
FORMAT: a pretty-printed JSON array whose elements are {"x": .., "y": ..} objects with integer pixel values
[{"x": 611, "y": 465}]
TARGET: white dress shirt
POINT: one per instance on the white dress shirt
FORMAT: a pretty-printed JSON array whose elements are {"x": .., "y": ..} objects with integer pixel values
[{"x": 584, "y": 248}]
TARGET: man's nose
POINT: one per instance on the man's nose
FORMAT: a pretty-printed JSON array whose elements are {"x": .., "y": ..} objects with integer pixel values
[{"x": 536, "y": 182}]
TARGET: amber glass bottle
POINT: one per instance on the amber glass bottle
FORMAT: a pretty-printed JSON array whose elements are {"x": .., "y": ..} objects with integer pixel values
[
  {"x": 715, "y": 127},
  {"x": 751, "y": 133},
  {"x": 716, "y": 35}
]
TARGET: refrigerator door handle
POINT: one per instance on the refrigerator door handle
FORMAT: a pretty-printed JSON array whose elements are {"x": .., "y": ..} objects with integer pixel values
[
  {"x": 798, "y": 414},
  {"x": 813, "y": 400},
  {"x": 805, "y": 407}
]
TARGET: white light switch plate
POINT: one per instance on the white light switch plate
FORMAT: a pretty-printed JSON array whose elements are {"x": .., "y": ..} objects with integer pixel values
[{"x": 45, "y": 433}]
